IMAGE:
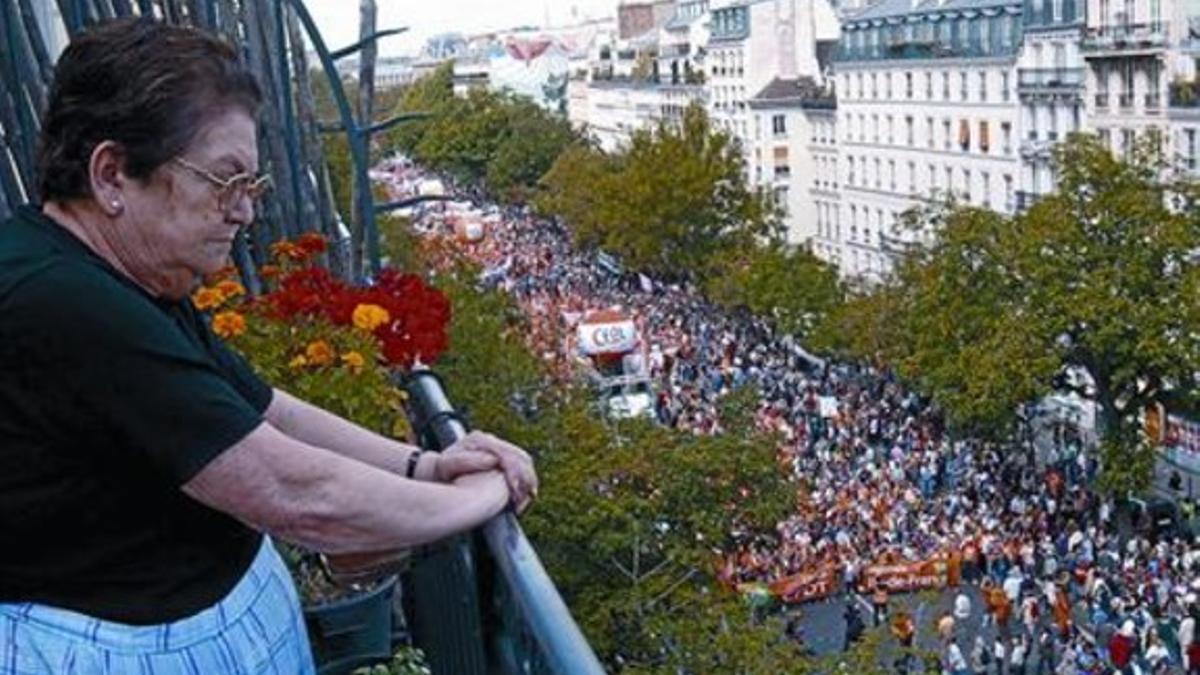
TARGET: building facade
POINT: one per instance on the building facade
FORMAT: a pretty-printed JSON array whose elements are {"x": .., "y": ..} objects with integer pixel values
[
  {"x": 926, "y": 101},
  {"x": 1183, "y": 111},
  {"x": 1051, "y": 86},
  {"x": 795, "y": 156},
  {"x": 753, "y": 42}
]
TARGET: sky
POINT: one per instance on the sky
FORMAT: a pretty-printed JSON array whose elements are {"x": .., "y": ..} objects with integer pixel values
[{"x": 338, "y": 19}]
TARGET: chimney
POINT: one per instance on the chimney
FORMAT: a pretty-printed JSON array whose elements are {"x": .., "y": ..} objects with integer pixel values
[{"x": 785, "y": 37}]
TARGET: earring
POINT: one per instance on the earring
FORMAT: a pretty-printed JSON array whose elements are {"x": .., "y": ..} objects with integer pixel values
[{"x": 116, "y": 204}]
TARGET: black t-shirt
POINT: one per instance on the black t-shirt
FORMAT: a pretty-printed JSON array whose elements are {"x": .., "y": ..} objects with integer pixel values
[{"x": 111, "y": 400}]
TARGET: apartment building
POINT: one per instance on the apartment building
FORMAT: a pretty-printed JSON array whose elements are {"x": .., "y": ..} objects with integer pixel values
[
  {"x": 751, "y": 42},
  {"x": 1051, "y": 85},
  {"x": 794, "y": 155},
  {"x": 926, "y": 108}
]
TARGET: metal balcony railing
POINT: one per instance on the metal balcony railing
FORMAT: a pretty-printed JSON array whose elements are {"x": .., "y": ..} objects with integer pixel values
[
  {"x": 1123, "y": 36},
  {"x": 524, "y": 625},
  {"x": 1153, "y": 101},
  {"x": 1102, "y": 100},
  {"x": 1125, "y": 100},
  {"x": 1049, "y": 78}
]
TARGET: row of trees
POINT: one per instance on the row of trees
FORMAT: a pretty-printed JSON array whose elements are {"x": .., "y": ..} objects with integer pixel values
[
  {"x": 502, "y": 142},
  {"x": 1099, "y": 279},
  {"x": 674, "y": 202}
]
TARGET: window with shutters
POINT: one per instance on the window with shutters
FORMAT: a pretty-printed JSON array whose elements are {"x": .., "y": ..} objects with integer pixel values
[{"x": 782, "y": 170}]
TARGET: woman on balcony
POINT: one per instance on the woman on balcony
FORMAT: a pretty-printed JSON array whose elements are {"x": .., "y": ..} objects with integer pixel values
[{"x": 141, "y": 462}]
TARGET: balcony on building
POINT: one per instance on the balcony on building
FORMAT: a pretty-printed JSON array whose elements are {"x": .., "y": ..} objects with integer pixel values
[
  {"x": 1125, "y": 99},
  {"x": 1036, "y": 149},
  {"x": 1031, "y": 81},
  {"x": 1153, "y": 101},
  {"x": 1102, "y": 100},
  {"x": 668, "y": 51},
  {"x": 1123, "y": 38}
]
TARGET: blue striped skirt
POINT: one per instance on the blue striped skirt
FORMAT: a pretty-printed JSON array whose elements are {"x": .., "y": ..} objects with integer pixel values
[{"x": 257, "y": 628}]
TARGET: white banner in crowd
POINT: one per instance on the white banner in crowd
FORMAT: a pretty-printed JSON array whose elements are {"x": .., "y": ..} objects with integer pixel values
[
  {"x": 615, "y": 337},
  {"x": 829, "y": 406}
]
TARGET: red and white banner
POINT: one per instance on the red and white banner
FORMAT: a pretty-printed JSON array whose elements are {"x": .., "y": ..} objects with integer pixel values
[{"x": 614, "y": 337}]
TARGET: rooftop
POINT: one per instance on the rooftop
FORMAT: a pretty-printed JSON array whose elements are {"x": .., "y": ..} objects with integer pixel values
[
  {"x": 800, "y": 92},
  {"x": 896, "y": 8}
]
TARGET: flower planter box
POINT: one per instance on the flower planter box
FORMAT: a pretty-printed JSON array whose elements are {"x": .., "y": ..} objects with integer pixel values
[{"x": 352, "y": 632}]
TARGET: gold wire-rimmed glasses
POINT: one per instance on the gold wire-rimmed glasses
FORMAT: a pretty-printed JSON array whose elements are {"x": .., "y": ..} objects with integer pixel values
[{"x": 230, "y": 191}]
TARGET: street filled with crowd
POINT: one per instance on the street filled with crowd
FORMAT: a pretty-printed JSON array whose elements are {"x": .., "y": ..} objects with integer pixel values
[{"x": 1052, "y": 577}]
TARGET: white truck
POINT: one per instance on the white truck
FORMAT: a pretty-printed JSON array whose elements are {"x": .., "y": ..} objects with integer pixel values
[{"x": 609, "y": 343}]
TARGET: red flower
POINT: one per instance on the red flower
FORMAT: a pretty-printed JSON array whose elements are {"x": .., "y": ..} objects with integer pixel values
[
  {"x": 312, "y": 243},
  {"x": 419, "y": 314}
]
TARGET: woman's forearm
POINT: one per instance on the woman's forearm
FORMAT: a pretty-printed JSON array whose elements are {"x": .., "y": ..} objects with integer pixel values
[
  {"x": 335, "y": 504},
  {"x": 372, "y": 510},
  {"x": 312, "y": 425}
]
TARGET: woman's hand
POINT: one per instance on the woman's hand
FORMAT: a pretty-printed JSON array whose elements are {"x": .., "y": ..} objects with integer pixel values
[
  {"x": 451, "y": 465},
  {"x": 516, "y": 464}
]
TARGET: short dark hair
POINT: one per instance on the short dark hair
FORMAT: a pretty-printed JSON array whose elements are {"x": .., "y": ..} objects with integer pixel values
[{"x": 148, "y": 86}]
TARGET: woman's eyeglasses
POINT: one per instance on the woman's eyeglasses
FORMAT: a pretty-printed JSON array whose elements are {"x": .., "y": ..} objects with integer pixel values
[{"x": 230, "y": 191}]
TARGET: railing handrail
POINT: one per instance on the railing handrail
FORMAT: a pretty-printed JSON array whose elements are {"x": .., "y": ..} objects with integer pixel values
[{"x": 550, "y": 622}]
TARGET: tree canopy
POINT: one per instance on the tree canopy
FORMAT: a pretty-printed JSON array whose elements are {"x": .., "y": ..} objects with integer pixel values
[
  {"x": 500, "y": 141},
  {"x": 676, "y": 199},
  {"x": 789, "y": 286},
  {"x": 1099, "y": 278}
]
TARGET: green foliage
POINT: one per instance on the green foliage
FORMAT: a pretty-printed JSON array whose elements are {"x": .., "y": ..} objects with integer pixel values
[
  {"x": 790, "y": 286},
  {"x": 1100, "y": 277},
  {"x": 364, "y": 395},
  {"x": 676, "y": 199},
  {"x": 430, "y": 95},
  {"x": 406, "y": 661},
  {"x": 527, "y": 150},
  {"x": 398, "y": 244},
  {"x": 496, "y": 139},
  {"x": 579, "y": 188}
]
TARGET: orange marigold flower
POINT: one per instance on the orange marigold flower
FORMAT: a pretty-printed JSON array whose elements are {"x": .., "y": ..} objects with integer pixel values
[
  {"x": 319, "y": 353},
  {"x": 229, "y": 324},
  {"x": 369, "y": 317},
  {"x": 298, "y": 362},
  {"x": 311, "y": 243},
  {"x": 354, "y": 361},
  {"x": 269, "y": 271},
  {"x": 286, "y": 249},
  {"x": 207, "y": 298},
  {"x": 231, "y": 289}
]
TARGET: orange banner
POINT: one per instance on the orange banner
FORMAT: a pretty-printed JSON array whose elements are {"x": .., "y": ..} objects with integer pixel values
[
  {"x": 807, "y": 587},
  {"x": 932, "y": 573}
]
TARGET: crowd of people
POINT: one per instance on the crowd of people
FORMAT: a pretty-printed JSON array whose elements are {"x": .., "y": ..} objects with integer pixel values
[{"x": 879, "y": 480}]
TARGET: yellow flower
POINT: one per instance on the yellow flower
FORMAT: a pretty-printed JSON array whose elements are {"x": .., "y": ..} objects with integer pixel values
[
  {"x": 354, "y": 361},
  {"x": 230, "y": 289},
  {"x": 298, "y": 362},
  {"x": 229, "y": 324},
  {"x": 208, "y": 298},
  {"x": 319, "y": 353},
  {"x": 369, "y": 317}
]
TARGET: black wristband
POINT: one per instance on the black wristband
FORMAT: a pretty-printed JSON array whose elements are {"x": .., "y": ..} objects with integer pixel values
[{"x": 411, "y": 471}]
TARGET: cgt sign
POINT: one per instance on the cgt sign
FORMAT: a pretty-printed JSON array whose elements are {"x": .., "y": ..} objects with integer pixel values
[{"x": 617, "y": 337}]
